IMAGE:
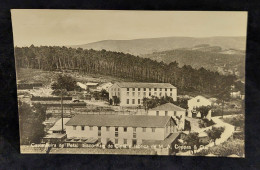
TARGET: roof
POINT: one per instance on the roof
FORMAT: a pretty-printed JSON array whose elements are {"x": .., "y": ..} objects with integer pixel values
[
  {"x": 55, "y": 136},
  {"x": 91, "y": 84},
  {"x": 144, "y": 85},
  {"x": 168, "y": 107},
  {"x": 118, "y": 120},
  {"x": 167, "y": 141},
  {"x": 57, "y": 125},
  {"x": 203, "y": 134},
  {"x": 200, "y": 97}
]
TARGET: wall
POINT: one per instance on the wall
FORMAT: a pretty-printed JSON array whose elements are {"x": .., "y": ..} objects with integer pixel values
[
  {"x": 124, "y": 95},
  {"x": 140, "y": 135},
  {"x": 180, "y": 123}
]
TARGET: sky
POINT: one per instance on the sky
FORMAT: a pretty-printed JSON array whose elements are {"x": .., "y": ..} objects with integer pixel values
[{"x": 76, "y": 27}]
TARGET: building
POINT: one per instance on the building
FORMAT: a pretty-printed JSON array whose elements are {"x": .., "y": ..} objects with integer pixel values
[
  {"x": 132, "y": 94},
  {"x": 104, "y": 86},
  {"x": 82, "y": 85},
  {"x": 169, "y": 109},
  {"x": 57, "y": 128},
  {"x": 121, "y": 129},
  {"x": 195, "y": 103}
]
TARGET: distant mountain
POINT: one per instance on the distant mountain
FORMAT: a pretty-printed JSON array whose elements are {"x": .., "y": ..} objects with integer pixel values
[
  {"x": 150, "y": 45},
  {"x": 214, "y": 58}
]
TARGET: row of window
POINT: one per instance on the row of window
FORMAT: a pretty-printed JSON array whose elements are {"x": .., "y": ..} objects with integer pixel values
[
  {"x": 108, "y": 129},
  {"x": 150, "y": 89},
  {"x": 116, "y": 140},
  {"x": 144, "y": 94},
  {"x": 166, "y": 113}
]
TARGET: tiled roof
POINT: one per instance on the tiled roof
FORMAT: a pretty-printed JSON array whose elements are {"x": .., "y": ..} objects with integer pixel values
[
  {"x": 168, "y": 107},
  {"x": 144, "y": 85},
  {"x": 57, "y": 125},
  {"x": 118, "y": 120}
]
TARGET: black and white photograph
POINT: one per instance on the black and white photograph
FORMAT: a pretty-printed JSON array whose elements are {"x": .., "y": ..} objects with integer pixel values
[{"x": 131, "y": 82}]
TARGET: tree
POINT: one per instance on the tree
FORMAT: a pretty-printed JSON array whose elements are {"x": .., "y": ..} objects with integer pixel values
[
  {"x": 238, "y": 121},
  {"x": 30, "y": 122},
  {"x": 192, "y": 139},
  {"x": 62, "y": 84},
  {"x": 116, "y": 100},
  {"x": 104, "y": 95},
  {"x": 215, "y": 133},
  {"x": 204, "y": 110}
]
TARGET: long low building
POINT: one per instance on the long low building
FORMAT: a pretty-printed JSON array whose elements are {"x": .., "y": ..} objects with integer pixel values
[
  {"x": 121, "y": 129},
  {"x": 132, "y": 93}
]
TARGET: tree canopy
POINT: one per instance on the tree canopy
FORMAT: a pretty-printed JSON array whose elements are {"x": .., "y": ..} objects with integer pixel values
[
  {"x": 64, "y": 82},
  {"x": 122, "y": 65},
  {"x": 215, "y": 133}
]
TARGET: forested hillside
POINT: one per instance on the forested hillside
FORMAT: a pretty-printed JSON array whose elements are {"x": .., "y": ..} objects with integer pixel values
[
  {"x": 124, "y": 66},
  {"x": 211, "y": 58}
]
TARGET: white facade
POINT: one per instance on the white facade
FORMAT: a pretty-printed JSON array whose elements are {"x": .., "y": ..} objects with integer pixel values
[
  {"x": 81, "y": 85},
  {"x": 122, "y": 135},
  {"x": 133, "y": 96},
  {"x": 177, "y": 113},
  {"x": 197, "y": 102}
]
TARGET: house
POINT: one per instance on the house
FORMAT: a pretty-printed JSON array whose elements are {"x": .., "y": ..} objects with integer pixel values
[
  {"x": 57, "y": 128},
  {"x": 121, "y": 129},
  {"x": 169, "y": 109},
  {"x": 104, "y": 86},
  {"x": 82, "y": 85},
  {"x": 196, "y": 102},
  {"x": 91, "y": 85},
  {"x": 203, "y": 138},
  {"x": 235, "y": 94},
  {"x": 132, "y": 93}
]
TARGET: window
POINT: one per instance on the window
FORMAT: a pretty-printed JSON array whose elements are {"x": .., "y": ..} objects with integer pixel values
[
  {"x": 133, "y": 89},
  {"x": 170, "y": 94},
  {"x": 127, "y": 93},
  {"x": 133, "y": 93},
  {"x": 116, "y": 141},
  {"x": 127, "y": 101},
  {"x": 116, "y": 128},
  {"x": 170, "y": 89},
  {"x": 99, "y": 128},
  {"x": 107, "y": 128},
  {"x": 165, "y": 94},
  {"x": 139, "y": 89},
  {"x": 127, "y": 89},
  {"x": 125, "y": 129},
  {"x": 144, "y": 94},
  {"x": 198, "y": 100},
  {"x": 99, "y": 133},
  {"x": 153, "y": 129},
  {"x": 174, "y": 113},
  {"x": 125, "y": 141},
  {"x": 133, "y": 101},
  {"x": 144, "y": 129},
  {"x": 155, "y": 89},
  {"x": 90, "y": 127},
  {"x": 155, "y": 93},
  {"x": 150, "y": 89},
  {"x": 134, "y": 129},
  {"x": 160, "y": 89},
  {"x": 82, "y": 127},
  {"x": 149, "y": 93},
  {"x": 160, "y": 94},
  {"x": 157, "y": 113},
  {"x": 139, "y": 101},
  {"x": 144, "y": 89},
  {"x": 165, "y": 89},
  {"x": 166, "y": 113},
  {"x": 134, "y": 135},
  {"x": 139, "y": 93},
  {"x": 74, "y": 127}
]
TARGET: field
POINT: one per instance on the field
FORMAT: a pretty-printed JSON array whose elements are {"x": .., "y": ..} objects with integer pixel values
[{"x": 28, "y": 75}]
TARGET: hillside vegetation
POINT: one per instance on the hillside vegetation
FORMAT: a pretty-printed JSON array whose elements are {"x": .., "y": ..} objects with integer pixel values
[
  {"x": 124, "y": 66},
  {"x": 211, "y": 58}
]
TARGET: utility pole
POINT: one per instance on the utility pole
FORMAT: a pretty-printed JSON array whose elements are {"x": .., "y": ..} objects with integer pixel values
[{"x": 62, "y": 129}]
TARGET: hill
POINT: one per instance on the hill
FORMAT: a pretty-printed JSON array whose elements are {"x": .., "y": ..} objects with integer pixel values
[
  {"x": 150, "y": 45},
  {"x": 213, "y": 58}
]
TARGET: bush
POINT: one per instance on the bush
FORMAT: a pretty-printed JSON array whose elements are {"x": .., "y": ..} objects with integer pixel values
[{"x": 203, "y": 123}]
